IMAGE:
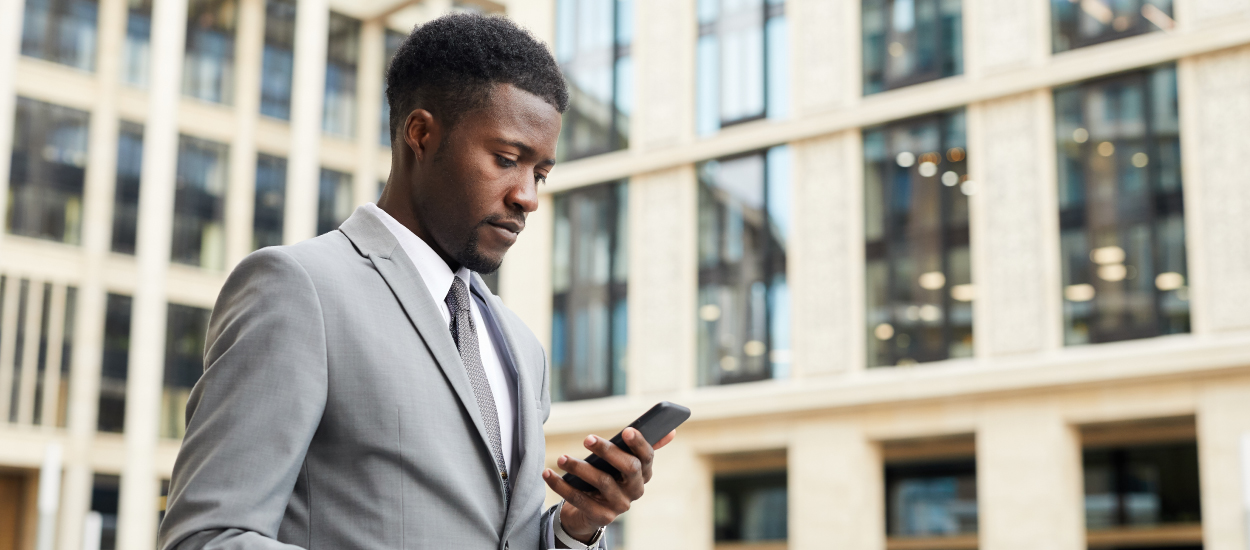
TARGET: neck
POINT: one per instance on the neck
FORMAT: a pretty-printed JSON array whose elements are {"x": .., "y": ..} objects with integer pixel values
[{"x": 398, "y": 204}]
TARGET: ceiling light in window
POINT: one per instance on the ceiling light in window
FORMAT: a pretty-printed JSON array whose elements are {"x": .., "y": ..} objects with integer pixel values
[
  {"x": 1106, "y": 148},
  {"x": 905, "y": 159},
  {"x": 968, "y": 188},
  {"x": 930, "y": 313},
  {"x": 1140, "y": 160},
  {"x": 927, "y": 169},
  {"x": 1107, "y": 255},
  {"x": 1079, "y": 293},
  {"x": 1080, "y": 135},
  {"x": 896, "y": 49},
  {"x": 709, "y": 312},
  {"x": 963, "y": 293},
  {"x": 1169, "y": 281},
  {"x": 955, "y": 154},
  {"x": 932, "y": 280},
  {"x": 754, "y": 348},
  {"x": 1113, "y": 272},
  {"x": 949, "y": 179},
  {"x": 729, "y": 363},
  {"x": 884, "y": 331}
]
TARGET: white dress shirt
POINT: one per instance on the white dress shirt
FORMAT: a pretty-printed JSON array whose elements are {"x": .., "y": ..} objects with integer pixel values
[{"x": 438, "y": 279}]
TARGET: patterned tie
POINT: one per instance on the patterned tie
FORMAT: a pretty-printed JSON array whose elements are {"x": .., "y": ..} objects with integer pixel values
[{"x": 463, "y": 333}]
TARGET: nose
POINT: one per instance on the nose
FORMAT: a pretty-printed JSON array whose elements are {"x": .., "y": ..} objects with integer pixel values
[{"x": 524, "y": 195}]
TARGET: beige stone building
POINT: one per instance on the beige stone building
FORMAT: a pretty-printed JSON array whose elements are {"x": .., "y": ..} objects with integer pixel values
[{"x": 932, "y": 274}]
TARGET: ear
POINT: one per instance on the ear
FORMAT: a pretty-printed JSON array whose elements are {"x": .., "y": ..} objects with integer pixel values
[{"x": 422, "y": 133}]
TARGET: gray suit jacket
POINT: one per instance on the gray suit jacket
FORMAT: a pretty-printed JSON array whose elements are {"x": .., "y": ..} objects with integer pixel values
[{"x": 334, "y": 412}]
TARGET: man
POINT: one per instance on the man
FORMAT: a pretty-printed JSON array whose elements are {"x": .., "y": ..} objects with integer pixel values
[{"x": 364, "y": 389}]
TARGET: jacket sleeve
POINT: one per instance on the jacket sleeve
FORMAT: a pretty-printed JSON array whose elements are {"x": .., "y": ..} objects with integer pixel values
[{"x": 253, "y": 413}]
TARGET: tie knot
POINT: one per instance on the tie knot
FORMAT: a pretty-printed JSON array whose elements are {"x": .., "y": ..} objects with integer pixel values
[{"x": 458, "y": 296}]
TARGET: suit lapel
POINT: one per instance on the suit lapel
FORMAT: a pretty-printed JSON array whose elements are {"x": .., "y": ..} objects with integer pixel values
[{"x": 376, "y": 242}]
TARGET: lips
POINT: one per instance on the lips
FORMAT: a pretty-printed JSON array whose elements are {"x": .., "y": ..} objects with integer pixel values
[{"x": 511, "y": 226}]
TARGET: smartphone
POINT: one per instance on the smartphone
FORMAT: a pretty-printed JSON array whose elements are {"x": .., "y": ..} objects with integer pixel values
[{"x": 654, "y": 424}]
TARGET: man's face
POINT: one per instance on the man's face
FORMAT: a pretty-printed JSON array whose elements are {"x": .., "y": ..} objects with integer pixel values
[{"x": 481, "y": 182}]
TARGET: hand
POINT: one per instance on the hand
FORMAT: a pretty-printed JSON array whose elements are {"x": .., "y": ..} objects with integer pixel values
[{"x": 584, "y": 513}]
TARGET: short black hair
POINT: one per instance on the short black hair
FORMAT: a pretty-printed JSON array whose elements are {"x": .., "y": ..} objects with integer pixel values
[{"x": 448, "y": 66}]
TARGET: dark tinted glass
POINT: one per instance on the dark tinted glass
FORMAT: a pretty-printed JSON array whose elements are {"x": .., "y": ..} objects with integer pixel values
[
  {"x": 46, "y": 175},
  {"x": 136, "y": 50},
  {"x": 918, "y": 268},
  {"x": 589, "y": 282},
  {"x": 126, "y": 190},
  {"x": 267, "y": 214},
  {"x": 911, "y": 41},
  {"x": 199, "y": 203},
  {"x": 743, "y": 68},
  {"x": 278, "y": 59},
  {"x": 208, "y": 68},
  {"x": 41, "y": 364},
  {"x": 744, "y": 299},
  {"x": 186, "y": 329},
  {"x": 111, "y": 415},
  {"x": 19, "y": 350},
  {"x": 593, "y": 41},
  {"x": 1121, "y": 208},
  {"x": 931, "y": 499},
  {"x": 1087, "y": 22},
  {"x": 1141, "y": 486},
  {"x": 342, "y": 56},
  {"x": 60, "y": 31},
  {"x": 334, "y": 203},
  {"x": 750, "y": 507},
  {"x": 105, "y": 499},
  {"x": 67, "y": 355}
]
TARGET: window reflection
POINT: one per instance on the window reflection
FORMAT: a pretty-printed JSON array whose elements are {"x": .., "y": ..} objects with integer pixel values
[
  {"x": 136, "y": 49},
  {"x": 267, "y": 213},
  {"x": 589, "y": 284},
  {"x": 46, "y": 176},
  {"x": 918, "y": 270},
  {"x": 208, "y": 69},
  {"x": 278, "y": 59},
  {"x": 106, "y": 499},
  {"x": 126, "y": 190},
  {"x": 593, "y": 47},
  {"x": 393, "y": 40},
  {"x": 744, "y": 299},
  {"x": 743, "y": 68},
  {"x": 750, "y": 507},
  {"x": 342, "y": 56},
  {"x": 931, "y": 499},
  {"x": 911, "y": 41},
  {"x": 1088, "y": 22},
  {"x": 199, "y": 203},
  {"x": 111, "y": 412},
  {"x": 1121, "y": 208},
  {"x": 60, "y": 31},
  {"x": 1141, "y": 486},
  {"x": 334, "y": 200},
  {"x": 186, "y": 328}
]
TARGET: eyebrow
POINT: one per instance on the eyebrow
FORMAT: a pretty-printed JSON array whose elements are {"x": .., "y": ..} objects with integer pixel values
[{"x": 525, "y": 150}]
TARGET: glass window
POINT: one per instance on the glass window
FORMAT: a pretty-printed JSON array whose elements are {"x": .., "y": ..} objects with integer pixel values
[
  {"x": 393, "y": 40},
  {"x": 46, "y": 176},
  {"x": 1121, "y": 208},
  {"x": 1088, "y": 22},
  {"x": 342, "y": 56},
  {"x": 186, "y": 329},
  {"x": 111, "y": 414},
  {"x": 931, "y": 499},
  {"x": 590, "y": 273},
  {"x": 105, "y": 500},
  {"x": 208, "y": 70},
  {"x": 126, "y": 191},
  {"x": 199, "y": 202},
  {"x": 750, "y": 507},
  {"x": 593, "y": 41},
  {"x": 911, "y": 41},
  {"x": 334, "y": 203},
  {"x": 60, "y": 31},
  {"x": 743, "y": 69},
  {"x": 41, "y": 364},
  {"x": 278, "y": 59},
  {"x": 744, "y": 300},
  {"x": 918, "y": 267},
  {"x": 1148, "y": 485},
  {"x": 267, "y": 214},
  {"x": 136, "y": 49},
  {"x": 19, "y": 348}
]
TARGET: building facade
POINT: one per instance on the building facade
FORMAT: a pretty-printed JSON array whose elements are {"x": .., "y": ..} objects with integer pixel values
[{"x": 930, "y": 273}]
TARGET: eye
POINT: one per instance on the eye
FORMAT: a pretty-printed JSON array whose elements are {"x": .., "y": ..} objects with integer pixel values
[
  {"x": 540, "y": 178},
  {"x": 505, "y": 162}
]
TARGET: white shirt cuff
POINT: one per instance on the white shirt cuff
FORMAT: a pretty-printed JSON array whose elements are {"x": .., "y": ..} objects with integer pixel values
[{"x": 568, "y": 540}]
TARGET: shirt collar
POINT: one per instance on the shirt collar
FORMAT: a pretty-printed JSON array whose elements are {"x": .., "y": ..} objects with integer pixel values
[{"x": 433, "y": 270}]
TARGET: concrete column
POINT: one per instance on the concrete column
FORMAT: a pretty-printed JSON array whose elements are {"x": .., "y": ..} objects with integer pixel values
[
  {"x": 241, "y": 193},
  {"x": 1002, "y": 35},
  {"x": 826, "y": 256},
  {"x": 835, "y": 488},
  {"x": 1215, "y": 129},
  {"x": 1223, "y": 419},
  {"x": 525, "y": 285},
  {"x": 825, "y": 75},
  {"x": 10, "y": 51},
  {"x": 666, "y": 32},
  {"x": 677, "y": 510},
  {"x": 1029, "y": 482},
  {"x": 663, "y": 281},
  {"x": 1197, "y": 13},
  {"x": 137, "y": 514},
  {"x": 308, "y": 87},
  {"x": 30, "y": 357},
  {"x": 1015, "y": 226},
  {"x": 369, "y": 105}
]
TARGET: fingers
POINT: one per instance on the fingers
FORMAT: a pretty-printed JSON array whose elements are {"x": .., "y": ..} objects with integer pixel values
[
  {"x": 609, "y": 490},
  {"x": 591, "y": 507},
  {"x": 630, "y": 466}
]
